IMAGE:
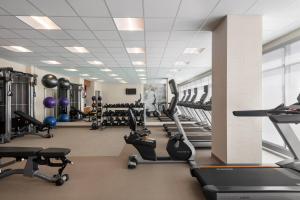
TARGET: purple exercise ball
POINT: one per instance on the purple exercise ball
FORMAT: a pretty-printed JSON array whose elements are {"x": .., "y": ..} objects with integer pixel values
[
  {"x": 49, "y": 102},
  {"x": 63, "y": 101}
]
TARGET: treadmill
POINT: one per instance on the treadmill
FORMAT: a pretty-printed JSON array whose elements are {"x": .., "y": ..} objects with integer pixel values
[
  {"x": 181, "y": 117},
  {"x": 195, "y": 127},
  {"x": 259, "y": 182}
]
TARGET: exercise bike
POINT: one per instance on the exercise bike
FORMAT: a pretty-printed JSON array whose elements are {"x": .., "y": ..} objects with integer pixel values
[{"x": 180, "y": 150}]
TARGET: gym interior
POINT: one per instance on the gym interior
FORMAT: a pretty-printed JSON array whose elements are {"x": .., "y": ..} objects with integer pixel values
[{"x": 149, "y": 99}]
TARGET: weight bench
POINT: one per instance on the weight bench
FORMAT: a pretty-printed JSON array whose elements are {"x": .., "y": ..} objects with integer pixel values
[
  {"x": 36, "y": 156},
  {"x": 38, "y": 126}
]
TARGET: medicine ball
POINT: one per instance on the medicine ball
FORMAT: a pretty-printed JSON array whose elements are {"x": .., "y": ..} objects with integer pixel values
[
  {"x": 49, "y": 81},
  {"x": 51, "y": 121},
  {"x": 63, "y": 102},
  {"x": 49, "y": 102},
  {"x": 64, "y": 118},
  {"x": 64, "y": 83}
]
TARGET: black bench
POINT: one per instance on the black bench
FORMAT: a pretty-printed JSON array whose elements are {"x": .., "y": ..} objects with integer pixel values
[
  {"x": 26, "y": 120},
  {"x": 36, "y": 156}
]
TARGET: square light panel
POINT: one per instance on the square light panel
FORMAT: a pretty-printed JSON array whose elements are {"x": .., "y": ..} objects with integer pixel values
[
  {"x": 135, "y": 50},
  {"x": 139, "y": 70},
  {"x": 106, "y": 70},
  {"x": 123, "y": 82},
  {"x": 141, "y": 75},
  {"x": 113, "y": 75},
  {"x": 77, "y": 49},
  {"x": 39, "y": 22},
  {"x": 86, "y": 75},
  {"x": 16, "y": 49},
  {"x": 94, "y": 78},
  {"x": 138, "y": 63},
  {"x": 51, "y": 62},
  {"x": 143, "y": 78},
  {"x": 193, "y": 50},
  {"x": 129, "y": 24},
  {"x": 118, "y": 78},
  {"x": 71, "y": 70},
  {"x": 95, "y": 62}
]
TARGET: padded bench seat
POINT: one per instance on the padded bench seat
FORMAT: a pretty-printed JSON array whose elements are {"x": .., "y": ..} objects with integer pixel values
[
  {"x": 19, "y": 152},
  {"x": 54, "y": 152}
]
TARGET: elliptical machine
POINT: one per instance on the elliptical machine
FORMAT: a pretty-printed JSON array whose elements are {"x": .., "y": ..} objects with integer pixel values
[
  {"x": 179, "y": 148},
  {"x": 155, "y": 112}
]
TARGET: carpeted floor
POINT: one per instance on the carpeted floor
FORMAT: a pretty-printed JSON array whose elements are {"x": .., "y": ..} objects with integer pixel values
[{"x": 100, "y": 170}]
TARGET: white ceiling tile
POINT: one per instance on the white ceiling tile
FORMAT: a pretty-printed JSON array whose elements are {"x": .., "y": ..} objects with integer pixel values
[
  {"x": 116, "y": 50},
  {"x": 19, "y": 7},
  {"x": 132, "y": 43},
  {"x": 161, "y": 8},
  {"x": 197, "y": 9},
  {"x": 97, "y": 50},
  {"x": 55, "y": 8},
  {"x": 187, "y": 24},
  {"x": 68, "y": 43},
  {"x": 80, "y": 34},
  {"x": 182, "y": 35},
  {"x": 154, "y": 43},
  {"x": 95, "y": 23},
  {"x": 73, "y": 23},
  {"x": 132, "y": 35},
  {"x": 107, "y": 35},
  {"x": 12, "y": 22},
  {"x": 22, "y": 42},
  {"x": 56, "y": 34},
  {"x": 176, "y": 44},
  {"x": 158, "y": 24},
  {"x": 137, "y": 57},
  {"x": 112, "y": 43},
  {"x": 90, "y": 8},
  {"x": 90, "y": 43},
  {"x": 30, "y": 34},
  {"x": 5, "y": 33},
  {"x": 45, "y": 43},
  {"x": 158, "y": 35},
  {"x": 266, "y": 7},
  {"x": 125, "y": 8},
  {"x": 3, "y": 12},
  {"x": 4, "y": 42}
]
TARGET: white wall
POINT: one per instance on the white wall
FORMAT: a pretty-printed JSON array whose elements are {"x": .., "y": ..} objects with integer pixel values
[{"x": 115, "y": 93}]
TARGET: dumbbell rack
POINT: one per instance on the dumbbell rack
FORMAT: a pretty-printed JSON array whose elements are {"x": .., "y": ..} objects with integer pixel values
[{"x": 118, "y": 115}]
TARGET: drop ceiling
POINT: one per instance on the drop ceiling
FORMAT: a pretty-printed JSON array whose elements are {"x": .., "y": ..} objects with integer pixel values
[{"x": 170, "y": 26}]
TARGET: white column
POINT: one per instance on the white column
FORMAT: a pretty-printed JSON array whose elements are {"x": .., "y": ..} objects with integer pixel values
[{"x": 236, "y": 85}]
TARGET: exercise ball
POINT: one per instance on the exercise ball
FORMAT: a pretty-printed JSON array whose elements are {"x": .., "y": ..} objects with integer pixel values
[
  {"x": 51, "y": 121},
  {"x": 49, "y": 81},
  {"x": 49, "y": 102},
  {"x": 64, "y": 83},
  {"x": 64, "y": 118},
  {"x": 63, "y": 102}
]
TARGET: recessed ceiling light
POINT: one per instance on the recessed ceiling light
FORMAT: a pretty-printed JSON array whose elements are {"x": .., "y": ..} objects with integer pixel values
[
  {"x": 141, "y": 75},
  {"x": 39, "y": 22},
  {"x": 51, "y": 62},
  {"x": 113, "y": 74},
  {"x": 193, "y": 50},
  {"x": 77, "y": 49},
  {"x": 180, "y": 63},
  {"x": 135, "y": 50},
  {"x": 122, "y": 81},
  {"x": 84, "y": 75},
  {"x": 16, "y": 48},
  {"x": 129, "y": 24},
  {"x": 143, "y": 78},
  {"x": 95, "y": 62},
  {"x": 139, "y": 70},
  {"x": 71, "y": 70},
  {"x": 106, "y": 70},
  {"x": 118, "y": 78},
  {"x": 139, "y": 63},
  {"x": 94, "y": 78}
]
